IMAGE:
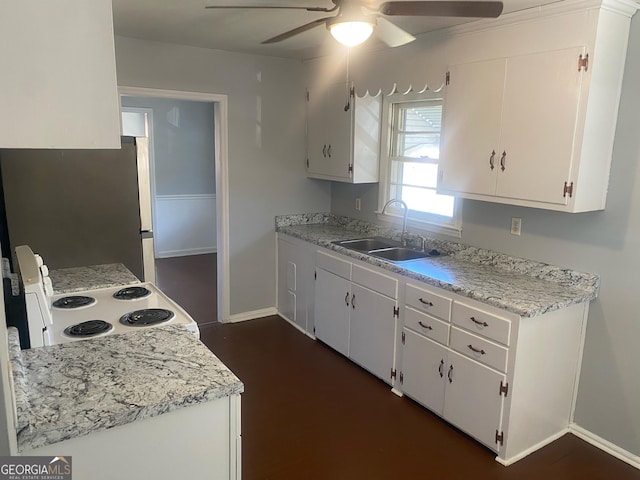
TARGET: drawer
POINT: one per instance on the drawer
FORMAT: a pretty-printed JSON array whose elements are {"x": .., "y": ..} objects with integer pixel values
[
  {"x": 333, "y": 264},
  {"x": 428, "y": 302},
  {"x": 481, "y": 322},
  {"x": 375, "y": 281},
  {"x": 426, "y": 325},
  {"x": 479, "y": 349}
]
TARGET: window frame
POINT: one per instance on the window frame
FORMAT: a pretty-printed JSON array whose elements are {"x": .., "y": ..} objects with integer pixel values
[{"x": 422, "y": 221}]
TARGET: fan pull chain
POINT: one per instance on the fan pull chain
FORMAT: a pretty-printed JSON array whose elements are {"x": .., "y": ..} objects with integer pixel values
[{"x": 348, "y": 104}]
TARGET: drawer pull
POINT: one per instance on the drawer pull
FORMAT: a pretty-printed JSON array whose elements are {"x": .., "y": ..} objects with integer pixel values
[
  {"x": 475, "y": 350},
  {"x": 449, "y": 373},
  {"x": 440, "y": 368},
  {"x": 425, "y": 302},
  {"x": 428, "y": 327},
  {"x": 346, "y": 299},
  {"x": 478, "y": 322}
]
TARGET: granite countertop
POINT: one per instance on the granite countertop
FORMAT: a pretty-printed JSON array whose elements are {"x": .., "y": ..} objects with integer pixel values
[
  {"x": 517, "y": 285},
  {"x": 72, "y": 389},
  {"x": 78, "y": 279}
]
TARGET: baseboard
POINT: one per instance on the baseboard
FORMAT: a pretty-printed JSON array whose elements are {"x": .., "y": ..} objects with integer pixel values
[
  {"x": 186, "y": 252},
  {"x": 605, "y": 445},
  {"x": 529, "y": 451},
  {"x": 241, "y": 317}
]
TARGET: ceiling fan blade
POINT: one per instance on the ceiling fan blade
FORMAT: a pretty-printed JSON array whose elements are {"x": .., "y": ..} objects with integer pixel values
[
  {"x": 281, "y": 7},
  {"x": 391, "y": 34},
  {"x": 296, "y": 31},
  {"x": 462, "y": 8}
]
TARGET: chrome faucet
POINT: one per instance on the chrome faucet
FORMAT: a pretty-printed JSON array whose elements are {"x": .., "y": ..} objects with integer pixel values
[{"x": 403, "y": 236}]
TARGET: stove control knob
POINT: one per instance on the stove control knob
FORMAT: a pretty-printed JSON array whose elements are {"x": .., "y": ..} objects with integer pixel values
[
  {"x": 39, "y": 260},
  {"x": 44, "y": 270}
]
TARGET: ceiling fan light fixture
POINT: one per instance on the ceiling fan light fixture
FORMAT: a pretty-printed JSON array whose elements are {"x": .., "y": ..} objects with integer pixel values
[{"x": 351, "y": 32}]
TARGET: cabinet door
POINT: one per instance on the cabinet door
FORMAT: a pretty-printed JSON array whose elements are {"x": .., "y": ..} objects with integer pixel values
[
  {"x": 339, "y": 124},
  {"x": 332, "y": 309},
  {"x": 471, "y": 127},
  {"x": 58, "y": 84},
  {"x": 372, "y": 335},
  {"x": 316, "y": 133},
  {"x": 540, "y": 111},
  {"x": 472, "y": 398},
  {"x": 287, "y": 280},
  {"x": 423, "y": 370}
]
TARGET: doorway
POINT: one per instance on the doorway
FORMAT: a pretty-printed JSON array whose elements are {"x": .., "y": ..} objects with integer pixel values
[{"x": 189, "y": 197}]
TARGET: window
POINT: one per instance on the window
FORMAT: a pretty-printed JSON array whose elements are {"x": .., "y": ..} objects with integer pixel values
[{"x": 413, "y": 147}]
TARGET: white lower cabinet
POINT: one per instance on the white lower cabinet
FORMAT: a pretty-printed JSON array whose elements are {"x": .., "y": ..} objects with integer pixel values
[
  {"x": 473, "y": 401},
  {"x": 509, "y": 382},
  {"x": 356, "y": 313},
  {"x": 332, "y": 310},
  {"x": 296, "y": 269}
]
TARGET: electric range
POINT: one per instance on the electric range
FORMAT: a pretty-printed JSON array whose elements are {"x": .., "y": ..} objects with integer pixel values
[{"x": 62, "y": 318}]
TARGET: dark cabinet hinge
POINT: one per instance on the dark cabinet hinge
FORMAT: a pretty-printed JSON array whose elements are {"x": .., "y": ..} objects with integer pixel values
[
  {"x": 500, "y": 437},
  {"x": 568, "y": 190},
  {"x": 583, "y": 62},
  {"x": 447, "y": 79},
  {"x": 401, "y": 378},
  {"x": 350, "y": 168},
  {"x": 403, "y": 337},
  {"x": 504, "y": 388},
  {"x": 393, "y": 373},
  {"x": 396, "y": 311},
  {"x": 315, "y": 275},
  {"x": 307, "y": 95},
  {"x": 307, "y": 163}
]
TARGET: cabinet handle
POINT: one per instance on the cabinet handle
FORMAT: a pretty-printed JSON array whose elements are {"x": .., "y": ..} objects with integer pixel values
[
  {"x": 475, "y": 350},
  {"x": 449, "y": 373},
  {"x": 346, "y": 299},
  {"x": 329, "y": 151},
  {"x": 478, "y": 322},
  {"x": 440, "y": 368},
  {"x": 353, "y": 301},
  {"x": 425, "y": 302},
  {"x": 428, "y": 327},
  {"x": 492, "y": 159},
  {"x": 503, "y": 160},
  {"x": 324, "y": 151}
]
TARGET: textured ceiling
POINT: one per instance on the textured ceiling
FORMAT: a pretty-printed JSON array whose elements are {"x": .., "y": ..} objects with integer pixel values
[{"x": 187, "y": 22}]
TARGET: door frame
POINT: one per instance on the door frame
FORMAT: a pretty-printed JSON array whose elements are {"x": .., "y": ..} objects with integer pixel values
[{"x": 221, "y": 160}]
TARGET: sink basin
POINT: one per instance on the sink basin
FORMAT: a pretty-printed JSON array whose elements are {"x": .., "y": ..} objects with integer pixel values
[
  {"x": 367, "y": 244},
  {"x": 398, "y": 254}
]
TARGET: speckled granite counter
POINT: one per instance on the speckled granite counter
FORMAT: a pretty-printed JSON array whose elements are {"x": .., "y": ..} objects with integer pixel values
[
  {"x": 78, "y": 279},
  {"x": 76, "y": 388},
  {"x": 517, "y": 285}
]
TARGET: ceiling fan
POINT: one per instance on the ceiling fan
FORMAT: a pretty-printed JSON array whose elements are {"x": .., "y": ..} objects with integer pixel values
[{"x": 356, "y": 19}]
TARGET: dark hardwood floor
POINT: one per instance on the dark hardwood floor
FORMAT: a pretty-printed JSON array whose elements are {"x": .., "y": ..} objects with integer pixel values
[
  {"x": 310, "y": 414},
  {"x": 192, "y": 282}
]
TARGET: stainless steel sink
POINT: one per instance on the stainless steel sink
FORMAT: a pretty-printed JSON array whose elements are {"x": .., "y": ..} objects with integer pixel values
[
  {"x": 399, "y": 254},
  {"x": 367, "y": 244}
]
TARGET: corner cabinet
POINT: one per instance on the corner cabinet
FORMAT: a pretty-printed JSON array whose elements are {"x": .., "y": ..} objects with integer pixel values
[
  {"x": 62, "y": 90},
  {"x": 296, "y": 272},
  {"x": 343, "y": 135},
  {"x": 536, "y": 129}
]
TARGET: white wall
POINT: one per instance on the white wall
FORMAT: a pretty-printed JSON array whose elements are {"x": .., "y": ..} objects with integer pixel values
[
  {"x": 266, "y": 146},
  {"x": 605, "y": 242}
]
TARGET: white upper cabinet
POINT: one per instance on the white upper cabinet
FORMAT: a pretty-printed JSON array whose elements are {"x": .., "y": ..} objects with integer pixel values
[
  {"x": 58, "y": 88},
  {"x": 509, "y": 128},
  {"x": 536, "y": 129},
  {"x": 343, "y": 135}
]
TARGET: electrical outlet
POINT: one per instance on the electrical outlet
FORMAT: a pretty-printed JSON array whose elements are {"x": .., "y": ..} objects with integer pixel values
[
  {"x": 516, "y": 226},
  {"x": 358, "y": 204}
]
